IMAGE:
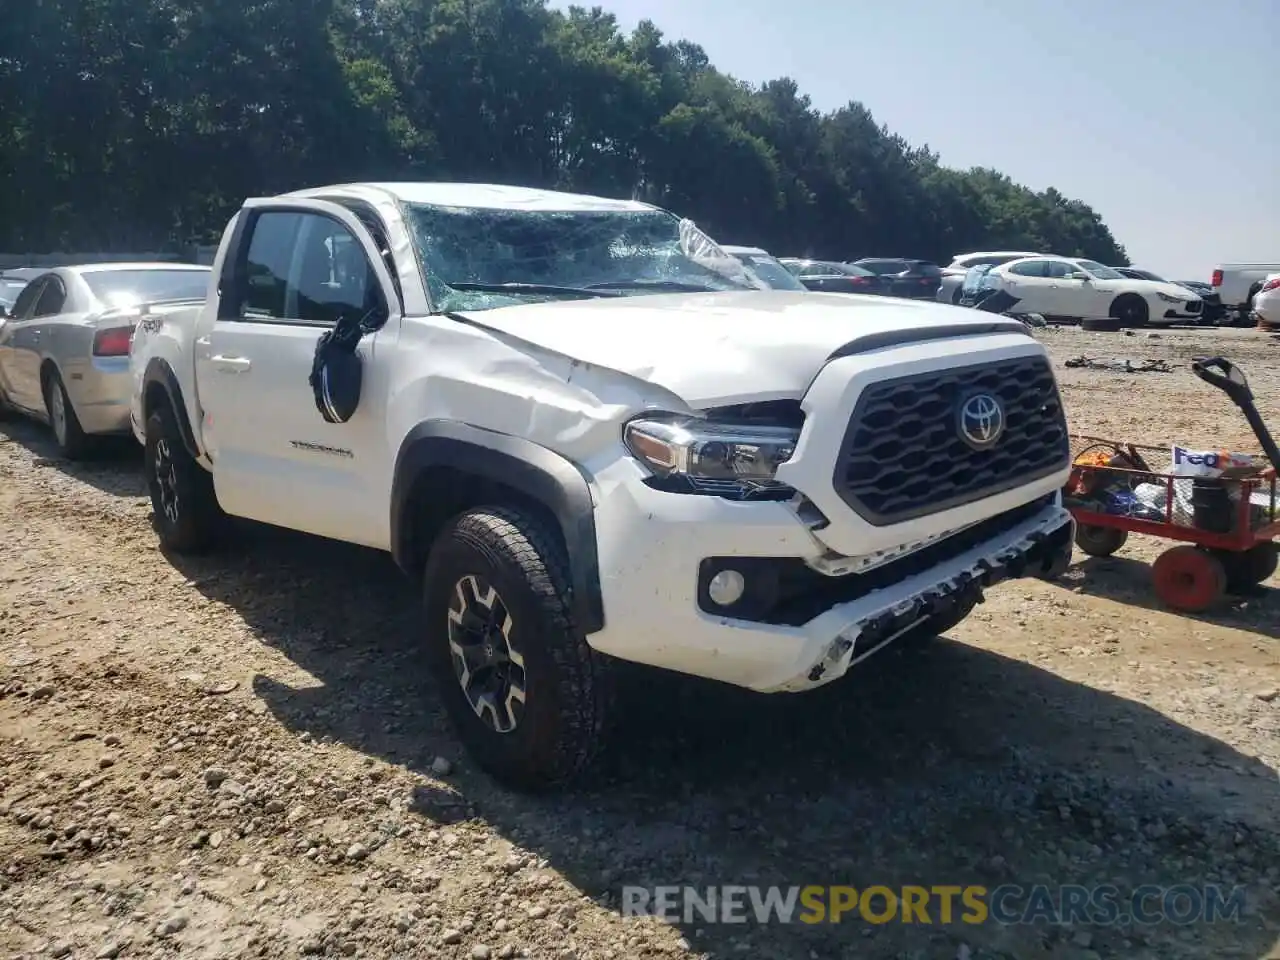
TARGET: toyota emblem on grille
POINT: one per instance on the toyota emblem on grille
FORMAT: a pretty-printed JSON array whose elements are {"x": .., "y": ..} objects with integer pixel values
[{"x": 981, "y": 421}]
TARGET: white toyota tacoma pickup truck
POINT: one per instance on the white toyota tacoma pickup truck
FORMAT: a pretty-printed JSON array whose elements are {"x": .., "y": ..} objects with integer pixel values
[{"x": 589, "y": 435}]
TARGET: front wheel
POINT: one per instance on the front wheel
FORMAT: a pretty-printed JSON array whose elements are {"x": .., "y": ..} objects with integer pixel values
[
  {"x": 1130, "y": 310},
  {"x": 1189, "y": 578},
  {"x": 186, "y": 512},
  {"x": 526, "y": 694}
]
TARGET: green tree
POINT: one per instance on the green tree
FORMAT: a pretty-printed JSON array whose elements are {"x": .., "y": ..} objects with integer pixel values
[{"x": 137, "y": 123}]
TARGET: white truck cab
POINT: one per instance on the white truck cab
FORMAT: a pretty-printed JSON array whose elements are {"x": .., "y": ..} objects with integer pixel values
[{"x": 590, "y": 435}]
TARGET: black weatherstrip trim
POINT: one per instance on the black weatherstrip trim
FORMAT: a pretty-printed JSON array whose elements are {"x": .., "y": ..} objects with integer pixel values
[
  {"x": 158, "y": 371},
  {"x": 898, "y": 338},
  {"x": 514, "y": 462}
]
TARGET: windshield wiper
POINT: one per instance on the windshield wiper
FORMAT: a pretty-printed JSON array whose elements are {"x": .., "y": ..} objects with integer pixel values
[
  {"x": 673, "y": 285},
  {"x": 531, "y": 288}
]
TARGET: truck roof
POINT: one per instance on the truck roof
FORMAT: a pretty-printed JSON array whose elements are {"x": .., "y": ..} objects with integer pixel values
[{"x": 489, "y": 196}]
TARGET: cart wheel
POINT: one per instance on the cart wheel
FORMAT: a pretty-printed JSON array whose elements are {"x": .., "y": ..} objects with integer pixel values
[
  {"x": 1248, "y": 568},
  {"x": 1189, "y": 579},
  {"x": 1099, "y": 541}
]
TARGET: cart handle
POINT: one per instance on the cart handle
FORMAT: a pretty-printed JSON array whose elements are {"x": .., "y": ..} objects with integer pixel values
[{"x": 1226, "y": 376}]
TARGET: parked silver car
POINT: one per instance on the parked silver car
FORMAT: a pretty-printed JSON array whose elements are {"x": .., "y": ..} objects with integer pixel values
[{"x": 64, "y": 349}]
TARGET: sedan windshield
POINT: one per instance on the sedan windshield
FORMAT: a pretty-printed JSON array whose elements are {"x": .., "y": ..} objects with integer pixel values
[
  {"x": 479, "y": 259},
  {"x": 770, "y": 271},
  {"x": 1099, "y": 271},
  {"x": 125, "y": 288}
]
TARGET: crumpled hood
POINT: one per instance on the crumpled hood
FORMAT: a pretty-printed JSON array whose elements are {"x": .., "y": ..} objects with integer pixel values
[{"x": 721, "y": 348}]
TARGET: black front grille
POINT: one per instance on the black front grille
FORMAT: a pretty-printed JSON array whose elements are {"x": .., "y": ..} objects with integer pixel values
[
  {"x": 904, "y": 456},
  {"x": 1193, "y": 306}
]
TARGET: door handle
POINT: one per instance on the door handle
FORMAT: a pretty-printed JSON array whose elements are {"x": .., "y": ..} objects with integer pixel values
[{"x": 232, "y": 364}]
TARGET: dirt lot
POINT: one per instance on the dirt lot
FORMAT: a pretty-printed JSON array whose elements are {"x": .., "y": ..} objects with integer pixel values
[{"x": 240, "y": 757}]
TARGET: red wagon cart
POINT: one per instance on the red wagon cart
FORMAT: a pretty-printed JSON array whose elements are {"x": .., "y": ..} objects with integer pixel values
[{"x": 1227, "y": 524}]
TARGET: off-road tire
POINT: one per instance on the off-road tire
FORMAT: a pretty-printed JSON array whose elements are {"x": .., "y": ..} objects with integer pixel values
[
  {"x": 1099, "y": 541},
  {"x": 568, "y": 686},
  {"x": 73, "y": 443},
  {"x": 1130, "y": 310},
  {"x": 192, "y": 521}
]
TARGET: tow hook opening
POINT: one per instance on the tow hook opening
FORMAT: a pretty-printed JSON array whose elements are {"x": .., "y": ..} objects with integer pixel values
[{"x": 835, "y": 652}]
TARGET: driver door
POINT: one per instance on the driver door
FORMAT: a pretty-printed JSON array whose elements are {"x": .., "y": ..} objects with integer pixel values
[
  {"x": 276, "y": 459},
  {"x": 1074, "y": 292}
]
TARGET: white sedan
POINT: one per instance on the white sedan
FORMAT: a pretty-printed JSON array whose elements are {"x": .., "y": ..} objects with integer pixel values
[
  {"x": 1266, "y": 302},
  {"x": 1097, "y": 296}
]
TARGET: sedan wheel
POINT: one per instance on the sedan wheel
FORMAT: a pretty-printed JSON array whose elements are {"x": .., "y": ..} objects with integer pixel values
[
  {"x": 73, "y": 442},
  {"x": 58, "y": 415}
]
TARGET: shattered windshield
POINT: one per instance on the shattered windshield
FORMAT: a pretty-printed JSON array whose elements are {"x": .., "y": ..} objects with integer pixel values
[{"x": 481, "y": 258}]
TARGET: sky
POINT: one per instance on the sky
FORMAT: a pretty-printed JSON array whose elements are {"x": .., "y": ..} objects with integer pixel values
[{"x": 1163, "y": 115}]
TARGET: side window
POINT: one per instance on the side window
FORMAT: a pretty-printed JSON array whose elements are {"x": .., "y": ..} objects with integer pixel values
[
  {"x": 814, "y": 270},
  {"x": 266, "y": 274},
  {"x": 368, "y": 218},
  {"x": 22, "y": 306},
  {"x": 307, "y": 268},
  {"x": 1029, "y": 268},
  {"x": 52, "y": 297},
  {"x": 1057, "y": 269}
]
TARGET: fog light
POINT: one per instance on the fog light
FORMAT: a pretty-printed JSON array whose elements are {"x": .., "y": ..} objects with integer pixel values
[{"x": 726, "y": 587}]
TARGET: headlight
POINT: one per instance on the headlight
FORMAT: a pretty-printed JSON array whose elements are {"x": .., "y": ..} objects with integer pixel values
[
  {"x": 692, "y": 455},
  {"x": 1169, "y": 298}
]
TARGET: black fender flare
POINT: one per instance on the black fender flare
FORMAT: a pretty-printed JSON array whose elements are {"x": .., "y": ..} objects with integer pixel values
[
  {"x": 536, "y": 472},
  {"x": 159, "y": 371}
]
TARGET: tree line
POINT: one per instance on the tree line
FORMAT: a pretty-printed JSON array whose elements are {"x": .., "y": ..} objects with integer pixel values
[{"x": 142, "y": 124}]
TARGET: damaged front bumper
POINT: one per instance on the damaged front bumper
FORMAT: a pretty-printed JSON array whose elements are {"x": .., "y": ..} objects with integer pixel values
[
  {"x": 655, "y": 612},
  {"x": 1043, "y": 552}
]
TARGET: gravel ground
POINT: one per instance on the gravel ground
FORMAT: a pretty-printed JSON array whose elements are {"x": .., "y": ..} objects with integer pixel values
[{"x": 241, "y": 757}]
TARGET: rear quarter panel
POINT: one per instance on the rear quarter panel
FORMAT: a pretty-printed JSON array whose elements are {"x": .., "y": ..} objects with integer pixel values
[{"x": 69, "y": 344}]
